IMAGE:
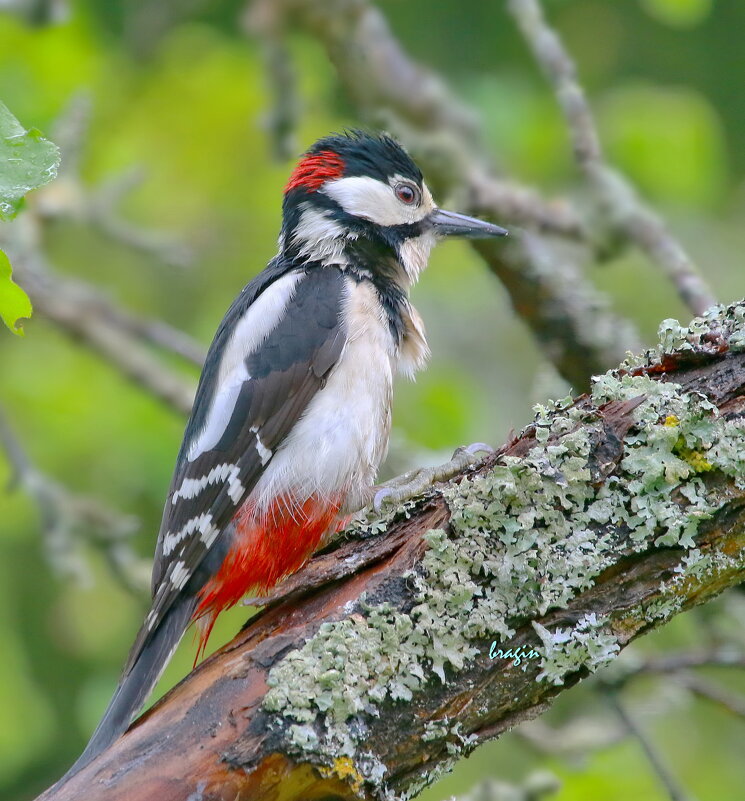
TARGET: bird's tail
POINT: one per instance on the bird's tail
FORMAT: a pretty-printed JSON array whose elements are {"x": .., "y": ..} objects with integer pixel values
[{"x": 141, "y": 675}]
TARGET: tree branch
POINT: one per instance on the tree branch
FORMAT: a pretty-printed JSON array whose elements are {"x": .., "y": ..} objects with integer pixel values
[
  {"x": 627, "y": 213},
  {"x": 573, "y": 322},
  {"x": 470, "y": 608},
  {"x": 86, "y": 315},
  {"x": 667, "y": 778}
]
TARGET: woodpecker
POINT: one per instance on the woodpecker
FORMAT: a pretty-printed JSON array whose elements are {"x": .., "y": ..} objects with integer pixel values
[{"x": 293, "y": 409}]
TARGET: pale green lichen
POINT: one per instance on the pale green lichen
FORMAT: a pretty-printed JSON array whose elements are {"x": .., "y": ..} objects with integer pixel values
[
  {"x": 696, "y": 565},
  {"x": 444, "y": 729},
  {"x": 588, "y": 643},
  {"x": 723, "y": 323},
  {"x": 441, "y": 768},
  {"x": 368, "y": 523},
  {"x": 457, "y": 745},
  {"x": 525, "y": 537}
]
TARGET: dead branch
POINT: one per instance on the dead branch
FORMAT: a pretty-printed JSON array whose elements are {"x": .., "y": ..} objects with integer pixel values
[
  {"x": 601, "y": 521},
  {"x": 632, "y": 218}
]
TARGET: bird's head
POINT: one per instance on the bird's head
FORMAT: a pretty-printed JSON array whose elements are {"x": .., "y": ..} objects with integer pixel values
[{"x": 359, "y": 199}]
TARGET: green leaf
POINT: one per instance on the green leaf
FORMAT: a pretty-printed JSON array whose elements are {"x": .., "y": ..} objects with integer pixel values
[
  {"x": 14, "y": 302},
  {"x": 27, "y": 161}
]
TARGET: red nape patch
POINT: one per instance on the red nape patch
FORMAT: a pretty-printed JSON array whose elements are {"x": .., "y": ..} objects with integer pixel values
[
  {"x": 313, "y": 171},
  {"x": 264, "y": 551}
]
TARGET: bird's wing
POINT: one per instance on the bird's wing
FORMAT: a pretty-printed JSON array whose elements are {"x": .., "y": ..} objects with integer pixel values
[{"x": 270, "y": 356}]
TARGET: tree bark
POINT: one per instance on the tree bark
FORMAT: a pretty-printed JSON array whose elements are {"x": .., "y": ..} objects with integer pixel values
[{"x": 602, "y": 520}]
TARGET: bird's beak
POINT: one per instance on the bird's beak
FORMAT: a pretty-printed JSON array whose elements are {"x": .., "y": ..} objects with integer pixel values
[{"x": 450, "y": 223}]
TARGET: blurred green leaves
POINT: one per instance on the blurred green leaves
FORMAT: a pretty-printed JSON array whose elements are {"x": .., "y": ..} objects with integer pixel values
[
  {"x": 27, "y": 161},
  {"x": 678, "y": 13},
  {"x": 669, "y": 141}
]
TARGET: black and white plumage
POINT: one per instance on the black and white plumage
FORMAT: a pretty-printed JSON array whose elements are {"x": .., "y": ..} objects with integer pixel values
[{"x": 293, "y": 410}]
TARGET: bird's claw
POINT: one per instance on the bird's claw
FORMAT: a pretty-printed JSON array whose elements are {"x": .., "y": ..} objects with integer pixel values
[
  {"x": 473, "y": 449},
  {"x": 380, "y": 496},
  {"x": 397, "y": 490},
  {"x": 416, "y": 482}
]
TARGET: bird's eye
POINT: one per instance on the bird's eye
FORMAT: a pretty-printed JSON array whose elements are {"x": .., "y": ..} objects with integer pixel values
[{"x": 406, "y": 193}]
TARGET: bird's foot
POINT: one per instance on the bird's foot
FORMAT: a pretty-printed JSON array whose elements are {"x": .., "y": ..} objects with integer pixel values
[{"x": 415, "y": 482}]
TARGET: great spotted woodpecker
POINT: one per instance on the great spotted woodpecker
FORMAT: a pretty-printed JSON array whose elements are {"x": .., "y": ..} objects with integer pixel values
[{"x": 293, "y": 409}]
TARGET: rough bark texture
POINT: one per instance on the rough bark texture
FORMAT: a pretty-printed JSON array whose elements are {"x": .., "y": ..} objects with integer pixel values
[{"x": 603, "y": 519}]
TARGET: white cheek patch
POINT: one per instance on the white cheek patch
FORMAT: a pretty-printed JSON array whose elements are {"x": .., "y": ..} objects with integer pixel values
[{"x": 374, "y": 200}]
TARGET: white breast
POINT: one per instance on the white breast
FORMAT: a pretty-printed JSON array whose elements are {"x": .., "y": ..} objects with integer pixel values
[{"x": 340, "y": 441}]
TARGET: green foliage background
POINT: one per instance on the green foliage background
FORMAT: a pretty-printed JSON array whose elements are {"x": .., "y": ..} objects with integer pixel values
[{"x": 185, "y": 101}]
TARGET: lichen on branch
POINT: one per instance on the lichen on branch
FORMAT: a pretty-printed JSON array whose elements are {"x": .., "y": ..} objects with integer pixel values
[
  {"x": 526, "y": 537},
  {"x": 393, "y": 652}
]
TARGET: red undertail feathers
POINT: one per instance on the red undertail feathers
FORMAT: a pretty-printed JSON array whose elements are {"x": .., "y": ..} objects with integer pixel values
[{"x": 266, "y": 549}]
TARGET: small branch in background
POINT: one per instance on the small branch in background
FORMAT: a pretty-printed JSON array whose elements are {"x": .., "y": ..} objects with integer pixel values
[
  {"x": 102, "y": 214},
  {"x": 577, "y": 736},
  {"x": 80, "y": 312},
  {"x": 703, "y": 688},
  {"x": 69, "y": 198},
  {"x": 585, "y": 733},
  {"x": 151, "y": 330},
  {"x": 625, "y": 210},
  {"x": 282, "y": 119},
  {"x": 392, "y": 90},
  {"x": 535, "y": 786},
  {"x": 55, "y": 292},
  {"x": 525, "y": 206},
  {"x": 665, "y": 775},
  {"x": 573, "y": 321},
  {"x": 69, "y": 521},
  {"x": 672, "y": 663}
]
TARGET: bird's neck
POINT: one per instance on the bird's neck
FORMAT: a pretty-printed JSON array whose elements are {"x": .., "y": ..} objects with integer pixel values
[{"x": 317, "y": 240}]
